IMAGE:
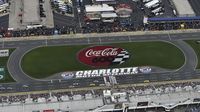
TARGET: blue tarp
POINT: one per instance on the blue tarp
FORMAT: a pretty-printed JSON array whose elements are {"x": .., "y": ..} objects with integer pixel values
[
  {"x": 173, "y": 19},
  {"x": 2, "y": 2}
]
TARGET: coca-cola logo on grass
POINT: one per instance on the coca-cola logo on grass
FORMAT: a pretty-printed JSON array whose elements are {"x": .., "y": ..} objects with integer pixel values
[{"x": 101, "y": 56}]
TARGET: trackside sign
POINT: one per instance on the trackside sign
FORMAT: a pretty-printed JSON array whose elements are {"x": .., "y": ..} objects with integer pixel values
[
  {"x": 4, "y": 53},
  {"x": 100, "y": 72},
  {"x": 106, "y": 72},
  {"x": 2, "y": 73}
]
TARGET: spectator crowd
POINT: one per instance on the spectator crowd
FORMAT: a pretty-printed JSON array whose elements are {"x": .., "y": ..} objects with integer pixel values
[
  {"x": 37, "y": 31},
  {"x": 172, "y": 25},
  {"x": 98, "y": 27},
  {"x": 86, "y": 95}
]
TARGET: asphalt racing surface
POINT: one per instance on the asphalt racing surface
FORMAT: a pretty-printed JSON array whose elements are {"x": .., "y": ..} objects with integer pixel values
[{"x": 26, "y": 83}]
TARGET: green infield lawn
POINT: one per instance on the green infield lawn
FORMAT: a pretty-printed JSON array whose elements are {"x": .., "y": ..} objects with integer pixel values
[
  {"x": 196, "y": 46},
  {"x": 3, "y": 63},
  {"x": 45, "y": 61}
]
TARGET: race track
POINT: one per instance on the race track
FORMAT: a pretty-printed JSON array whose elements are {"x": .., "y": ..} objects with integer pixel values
[{"x": 187, "y": 71}]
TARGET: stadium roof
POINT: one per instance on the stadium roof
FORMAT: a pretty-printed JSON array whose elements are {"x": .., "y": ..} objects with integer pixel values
[
  {"x": 31, "y": 11},
  {"x": 173, "y": 19},
  {"x": 98, "y": 8},
  {"x": 183, "y": 8}
]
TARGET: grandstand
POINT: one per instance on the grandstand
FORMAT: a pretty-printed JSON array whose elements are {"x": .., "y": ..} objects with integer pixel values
[
  {"x": 177, "y": 97},
  {"x": 173, "y": 23}
]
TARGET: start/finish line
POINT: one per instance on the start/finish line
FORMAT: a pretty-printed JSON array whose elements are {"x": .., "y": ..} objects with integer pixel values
[{"x": 2, "y": 73}]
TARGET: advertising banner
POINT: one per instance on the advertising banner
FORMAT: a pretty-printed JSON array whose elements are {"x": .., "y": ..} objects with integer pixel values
[
  {"x": 4, "y": 53},
  {"x": 106, "y": 72},
  {"x": 2, "y": 73},
  {"x": 103, "y": 56}
]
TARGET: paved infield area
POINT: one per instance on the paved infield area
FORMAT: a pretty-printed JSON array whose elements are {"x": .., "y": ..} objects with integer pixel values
[{"x": 185, "y": 72}]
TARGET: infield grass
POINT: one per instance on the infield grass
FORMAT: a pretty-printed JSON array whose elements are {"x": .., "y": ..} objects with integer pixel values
[
  {"x": 3, "y": 63},
  {"x": 45, "y": 61},
  {"x": 195, "y": 44}
]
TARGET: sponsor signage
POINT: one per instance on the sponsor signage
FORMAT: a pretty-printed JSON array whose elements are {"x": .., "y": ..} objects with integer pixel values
[
  {"x": 67, "y": 75},
  {"x": 145, "y": 69},
  {"x": 103, "y": 56},
  {"x": 100, "y": 73},
  {"x": 106, "y": 72},
  {"x": 4, "y": 53},
  {"x": 2, "y": 73}
]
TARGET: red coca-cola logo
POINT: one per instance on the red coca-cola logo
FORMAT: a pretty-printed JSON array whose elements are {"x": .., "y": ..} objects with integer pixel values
[{"x": 102, "y": 56}]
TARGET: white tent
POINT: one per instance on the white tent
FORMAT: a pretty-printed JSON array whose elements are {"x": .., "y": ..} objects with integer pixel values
[
  {"x": 183, "y": 8},
  {"x": 98, "y": 8}
]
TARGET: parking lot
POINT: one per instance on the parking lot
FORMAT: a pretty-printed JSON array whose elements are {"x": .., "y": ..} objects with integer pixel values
[
  {"x": 134, "y": 22},
  {"x": 4, "y": 21},
  {"x": 77, "y": 23},
  {"x": 195, "y": 5}
]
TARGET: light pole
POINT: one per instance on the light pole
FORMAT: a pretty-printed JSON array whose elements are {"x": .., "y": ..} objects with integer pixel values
[
  {"x": 46, "y": 43},
  {"x": 100, "y": 40},
  {"x": 129, "y": 39},
  {"x": 2, "y": 42},
  {"x": 169, "y": 36},
  {"x": 88, "y": 40},
  {"x": 79, "y": 18}
]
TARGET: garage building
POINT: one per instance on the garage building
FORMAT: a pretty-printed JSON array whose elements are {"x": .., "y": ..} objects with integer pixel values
[
  {"x": 183, "y": 8},
  {"x": 31, "y": 12}
]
